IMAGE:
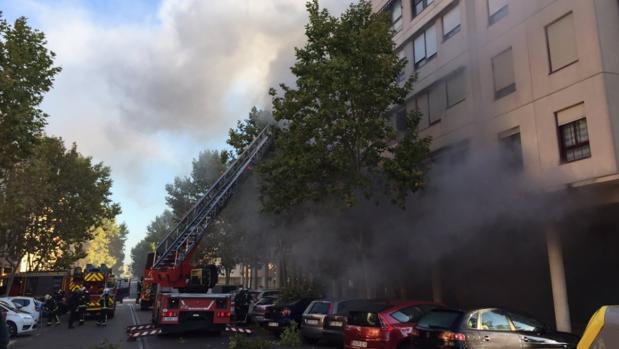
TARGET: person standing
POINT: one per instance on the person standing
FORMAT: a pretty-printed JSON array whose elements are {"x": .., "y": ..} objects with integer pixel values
[
  {"x": 73, "y": 304},
  {"x": 51, "y": 309},
  {"x": 139, "y": 287},
  {"x": 61, "y": 301},
  {"x": 84, "y": 299},
  {"x": 106, "y": 303},
  {"x": 4, "y": 331}
]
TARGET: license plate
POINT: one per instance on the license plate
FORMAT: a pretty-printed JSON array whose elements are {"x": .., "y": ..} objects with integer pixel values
[
  {"x": 336, "y": 323},
  {"x": 359, "y": 344},
  {"x": 311, "y": 322},
  {"x": 273, "y": 324}
]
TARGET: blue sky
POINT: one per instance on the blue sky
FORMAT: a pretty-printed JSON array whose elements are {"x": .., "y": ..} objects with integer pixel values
[{"x": 147, "y": 85}]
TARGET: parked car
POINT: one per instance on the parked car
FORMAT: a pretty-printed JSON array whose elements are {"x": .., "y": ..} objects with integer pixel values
[
  {"x": 259, "y": 308},
  {"x": 384, "y": 325},
  {"x": 281, "y": 314},
  {"x": 326, "y": 319},
  {"x": 259, "y": 294},
  {"x": 28, "y": 304},
  {"x": 486, "y": 328},
  {"x": 18, "y": 322}
]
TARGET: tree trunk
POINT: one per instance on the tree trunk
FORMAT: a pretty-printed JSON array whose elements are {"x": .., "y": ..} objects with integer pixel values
[
  {"x": 10, "y": 280},
  {"x": 366, "y": 281},
  {"x": 227, "y": 272}
]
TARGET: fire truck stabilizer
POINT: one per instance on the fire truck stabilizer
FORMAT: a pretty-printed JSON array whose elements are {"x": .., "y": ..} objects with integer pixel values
[{"x": 182, "y": 302}]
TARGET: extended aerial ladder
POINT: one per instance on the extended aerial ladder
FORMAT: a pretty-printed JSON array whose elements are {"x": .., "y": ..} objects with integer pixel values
[{"x": 181, "y": 302}]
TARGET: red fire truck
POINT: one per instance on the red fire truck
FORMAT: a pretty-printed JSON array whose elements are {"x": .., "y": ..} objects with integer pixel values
[
  {"x": 96, "y": 280},
  {"x": 182, "y": 301}
]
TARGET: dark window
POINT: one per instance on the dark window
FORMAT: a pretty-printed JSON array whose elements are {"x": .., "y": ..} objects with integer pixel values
[
  {"x": 438, "y": 102},
  {"x": 445, "y": 319},
  {"x": 472, "y": 321},
  {"x": 423, "y": 106},
  {"x": 497, "y": 9},
  {"x": 410, "y": 314},
  {"x": 425, "y": 46},
  {"x": 420, "y": 5},
  {"x": 511, "y": 151},
  {"x": 396, "y": 15},
  {"x": 492, "y": 320},
  {"x": 574, "y": 141},
  {"x": 400, "y": 121},
  {"x": 503, "y": 74},
  {"x": 526, "y": 324},
  {"x": 363, "y": 318},
  {"x": 320, "y": 308}
]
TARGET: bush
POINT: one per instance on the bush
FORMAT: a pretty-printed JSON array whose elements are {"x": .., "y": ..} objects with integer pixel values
[
  {"x": 239, "y": 341},
  {"x": 291, "y": 336}
]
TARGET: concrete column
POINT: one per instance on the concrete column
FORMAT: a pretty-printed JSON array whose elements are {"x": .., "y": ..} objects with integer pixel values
[
  {"x": 437, "y": 287},
  {"x": 557, "y": 279}
]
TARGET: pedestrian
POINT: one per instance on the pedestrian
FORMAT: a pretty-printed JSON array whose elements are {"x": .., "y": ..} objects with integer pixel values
[
  {"x": 84, "y": 299},
  {"x": 51, "y": 309},
  {"x": 106, "y": 303},
  {"x": 4, "y": 331},
  {"x": 73, "y": 304}
]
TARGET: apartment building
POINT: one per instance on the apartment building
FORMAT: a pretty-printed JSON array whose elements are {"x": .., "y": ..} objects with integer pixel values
[{"x": 535, "y": 81}]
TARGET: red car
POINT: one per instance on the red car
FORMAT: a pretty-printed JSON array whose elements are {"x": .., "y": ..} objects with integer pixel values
[{"x": 387, "y": 325}]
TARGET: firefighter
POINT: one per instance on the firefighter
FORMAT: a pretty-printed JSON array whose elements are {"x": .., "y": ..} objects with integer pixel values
[
  {"x": 73, "y": 305},
  {"x": 242, "y": 300},
  {"x": 51, "y": 309},
  {"x": 61, "y": 301},
  {"x": 137, "y": 299},
  {"x": 106, "y": 303},
  {"x": 84, "y": 299}
]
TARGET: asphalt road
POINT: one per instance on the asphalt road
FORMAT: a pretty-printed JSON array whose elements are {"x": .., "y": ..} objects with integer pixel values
[{"x": 90, "y": 336}]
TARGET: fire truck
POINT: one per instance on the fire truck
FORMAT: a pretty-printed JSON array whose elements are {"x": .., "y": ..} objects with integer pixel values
[
  {"x": 179, "y": 291},
  {"x": 96, "y": 280}
]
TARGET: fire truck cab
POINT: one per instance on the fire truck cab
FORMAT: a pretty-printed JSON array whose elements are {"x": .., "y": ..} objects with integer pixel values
[{"x": 96, "y": 280}]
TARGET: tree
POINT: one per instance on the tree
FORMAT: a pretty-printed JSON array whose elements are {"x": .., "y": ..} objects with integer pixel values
[
  {"x": 247, "y": 130},
  {"x": 107, "y": 245},
  {"x": 155, "y": 231},
  {"x": 26, "y": 72},
  {"x": 50, "y": 203},
  {"x": 338, "y": 143}
]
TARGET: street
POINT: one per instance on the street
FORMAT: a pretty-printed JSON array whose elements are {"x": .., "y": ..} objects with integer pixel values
[{"x": 90, "y": 336}]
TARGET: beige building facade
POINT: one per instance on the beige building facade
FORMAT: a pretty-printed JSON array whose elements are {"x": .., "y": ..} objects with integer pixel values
[{"x": 535, "y": 81}]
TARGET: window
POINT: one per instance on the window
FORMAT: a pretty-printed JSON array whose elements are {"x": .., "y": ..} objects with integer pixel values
[
  {"x": 410, "y": 314},
  {"x": 438, "y": 318},
  {"x": 497, "y": 9},
  {"x": 456, "y": 88},
  {"x": 396, "y": 15},
  {"x": 320, "y": 308},
  {"x": 561, "y": 41},
  {"x": 511, "y": 149},
  {"x": 402, "y": 74},
  {"x": 423, "y": 106},
  {"x": 420, "y": 5},
  {"x": 451, "y": 23},
  {"x": 400, "y": 120},
  {"x": 573, "y": 134},
  {"x": 425, "y": 46},
  {"x": 523, "y": 323},
  {"x": 503, "y": 73},
  {"x": 437, "y": 101},
  {"x": 472, "y": 321},
  {"x": 492, "y": 320}
]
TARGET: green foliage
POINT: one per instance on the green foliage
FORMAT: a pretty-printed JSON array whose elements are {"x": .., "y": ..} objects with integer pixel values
[
  {"x": 291, "y": 336},
  {"x": 246, "y": 131},
  {"x": 337, "y": 134},
  {"x": 26, "y": 73},
  {"x": 107, "y": 245},
  {"x": 155, "y": 231},
  {"x": 50, "y": 203},
  {"x": 239, "y": 341}
]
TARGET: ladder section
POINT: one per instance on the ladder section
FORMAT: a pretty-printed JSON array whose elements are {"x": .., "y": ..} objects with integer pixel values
[{"x": 180, "y": 241}]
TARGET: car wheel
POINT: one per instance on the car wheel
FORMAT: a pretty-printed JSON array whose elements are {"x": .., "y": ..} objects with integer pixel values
[{"x": 12, "y": 328}]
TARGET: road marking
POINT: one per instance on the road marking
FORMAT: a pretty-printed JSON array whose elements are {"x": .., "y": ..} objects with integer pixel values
[{"x": 141, "y": 342}]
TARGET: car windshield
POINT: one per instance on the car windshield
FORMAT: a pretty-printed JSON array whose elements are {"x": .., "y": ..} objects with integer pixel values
[
  {"x": 8, "y": 306},
  {"x": 444, "y": 319},
  {"x": 266, "y": 301},
  {"x": 364, "y": 318}
]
